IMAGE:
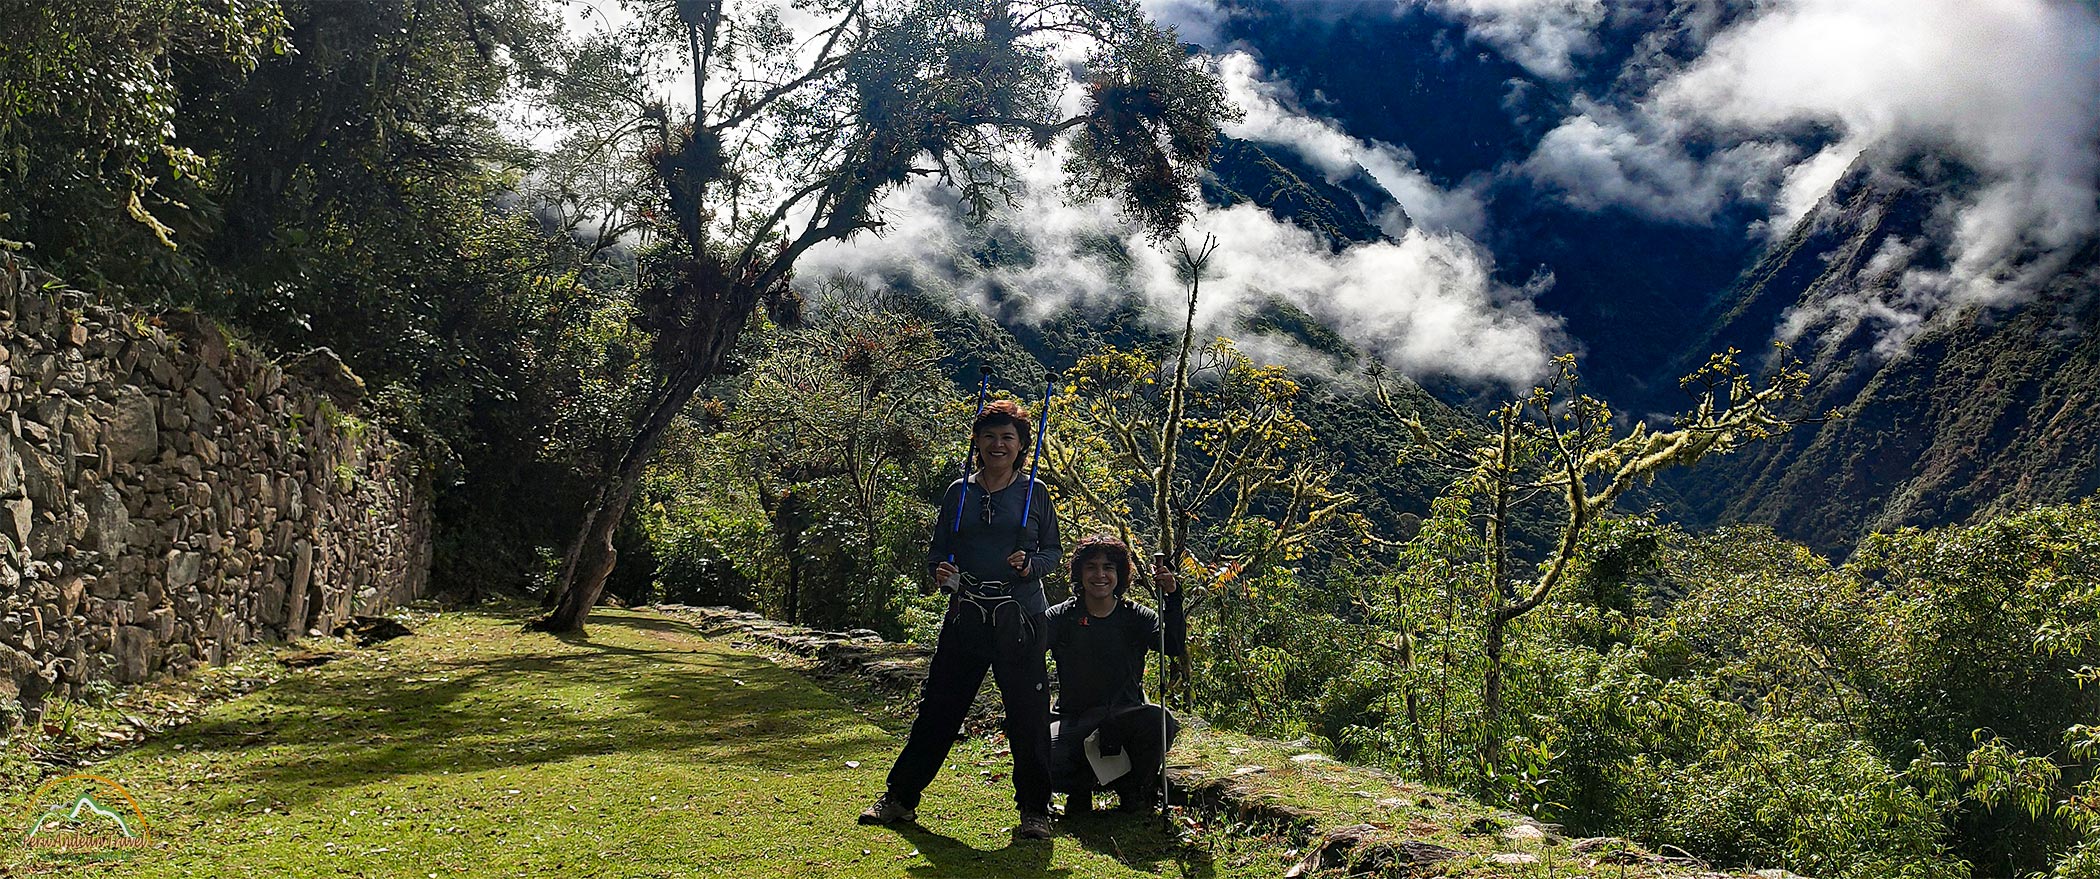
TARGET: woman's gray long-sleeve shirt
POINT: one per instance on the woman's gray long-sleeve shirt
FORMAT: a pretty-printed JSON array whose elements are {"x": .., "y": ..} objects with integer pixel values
[{"x": 981, "y": 549}]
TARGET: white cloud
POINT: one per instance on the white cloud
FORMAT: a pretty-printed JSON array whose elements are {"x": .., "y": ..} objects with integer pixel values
[
  {"x": 1807, "y": 182},
  {"x": 2011, "y": 88},
  {"x": 2012, "y": 85},
  {"x": 1547, "y": 37},
  {"x": 1196, "y": 21},
  {"x": 1426, "y": 304},
  {"x": 1601, "y": 159},
  {"x": 1272, "y": 116}
]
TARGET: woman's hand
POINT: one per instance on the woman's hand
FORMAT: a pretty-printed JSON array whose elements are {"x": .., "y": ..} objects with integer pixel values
[
  {"x": 943, "y": 574},
  {"x": 1019, "y": 562},
  {"x": 1164, "y": 574}
]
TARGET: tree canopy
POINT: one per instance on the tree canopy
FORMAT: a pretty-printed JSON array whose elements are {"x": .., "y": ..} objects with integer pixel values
[{"x": 799, "y": 128}]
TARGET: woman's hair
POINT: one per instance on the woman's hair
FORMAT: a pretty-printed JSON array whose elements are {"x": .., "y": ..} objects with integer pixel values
[
  {"x": 1101, "y": 544},
  {"x": 999, "y": 413}
]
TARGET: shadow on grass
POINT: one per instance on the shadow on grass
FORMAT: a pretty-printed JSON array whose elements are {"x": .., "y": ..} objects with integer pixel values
[
  {"x": 347, "y": 726},
  {"x": 664, "y": 625},
  {"x": 951, "y": 857},
  {"x": 1139, "y": 842}
]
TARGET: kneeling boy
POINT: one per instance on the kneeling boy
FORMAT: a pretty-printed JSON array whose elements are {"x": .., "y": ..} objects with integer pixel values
[{"x": 1099, "y": 641}]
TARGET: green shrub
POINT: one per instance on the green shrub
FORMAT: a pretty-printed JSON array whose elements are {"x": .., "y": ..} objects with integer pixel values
[{"x": 713, "y": 559}]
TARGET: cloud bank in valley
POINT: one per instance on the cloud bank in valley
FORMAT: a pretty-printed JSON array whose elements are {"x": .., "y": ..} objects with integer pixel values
[
  {"x": 1425, "y": 301},
  {"x": 2011, "y": 88},
  {"x": 1765, "y": 109},
  {"x": 1547, "y": 37}
]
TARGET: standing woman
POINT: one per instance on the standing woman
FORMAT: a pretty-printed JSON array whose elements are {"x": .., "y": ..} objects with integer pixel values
[{"x": 995, "y": 538}]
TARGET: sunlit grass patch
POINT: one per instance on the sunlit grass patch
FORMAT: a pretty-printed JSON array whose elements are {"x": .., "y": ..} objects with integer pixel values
[{"x": 474, "y": 749}]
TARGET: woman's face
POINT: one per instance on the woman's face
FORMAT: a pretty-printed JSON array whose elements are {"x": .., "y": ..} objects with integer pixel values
[
  {"x": 998, "y": 447},
  {"x": 1097, "y": 575}
]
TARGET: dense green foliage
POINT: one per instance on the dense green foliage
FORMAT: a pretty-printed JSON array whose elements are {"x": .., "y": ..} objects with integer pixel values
[
  {"x": 329, "y": 174},
  {"x": 1740, "y": 697},
  {"x": 315, "y": 173}
]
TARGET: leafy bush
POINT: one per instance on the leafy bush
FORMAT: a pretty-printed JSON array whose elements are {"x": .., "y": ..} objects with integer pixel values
[
  {"x": 715, "y": 558},
  {"x": 1792, "y": 793}
]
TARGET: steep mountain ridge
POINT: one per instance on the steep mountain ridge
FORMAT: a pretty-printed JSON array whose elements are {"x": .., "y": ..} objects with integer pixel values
[
  {"x": 1991, "y": 407},
  {"x": 1984, "y": 408},
  {"x": 1345, "y": 212}
]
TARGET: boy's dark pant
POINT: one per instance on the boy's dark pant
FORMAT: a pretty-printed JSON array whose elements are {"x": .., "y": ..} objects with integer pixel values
[
  {"x": 1013, "y": 649},
  {"x": 1133, "y": 728}
]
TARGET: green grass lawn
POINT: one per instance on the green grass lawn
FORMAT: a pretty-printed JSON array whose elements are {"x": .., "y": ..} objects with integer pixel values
[{"x": 473, "y": 749}]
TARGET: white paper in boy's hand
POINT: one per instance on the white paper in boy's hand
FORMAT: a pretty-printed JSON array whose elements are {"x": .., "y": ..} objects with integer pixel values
[{"x": 1106, "y": 769}]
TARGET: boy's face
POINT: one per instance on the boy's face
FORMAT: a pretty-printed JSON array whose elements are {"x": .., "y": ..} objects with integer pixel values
[{"x": 1097, "y": 575}]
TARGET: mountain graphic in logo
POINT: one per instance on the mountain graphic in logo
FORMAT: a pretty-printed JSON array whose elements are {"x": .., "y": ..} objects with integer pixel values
[
  {"x": 84, "y": 813},
  {"x": 86, "y": 817}
]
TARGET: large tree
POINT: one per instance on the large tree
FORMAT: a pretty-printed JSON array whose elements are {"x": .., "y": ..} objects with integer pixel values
[{"x": 805, "y": 117}]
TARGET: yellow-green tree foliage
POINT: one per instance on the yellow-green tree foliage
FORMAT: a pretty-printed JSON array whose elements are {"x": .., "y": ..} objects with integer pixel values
[{"x": 1250, "y": 491}]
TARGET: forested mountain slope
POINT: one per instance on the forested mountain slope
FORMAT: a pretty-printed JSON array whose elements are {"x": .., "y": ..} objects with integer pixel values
[
  {"x": 1955, "y": 403},
  {"x": 1990, "y": 407}
]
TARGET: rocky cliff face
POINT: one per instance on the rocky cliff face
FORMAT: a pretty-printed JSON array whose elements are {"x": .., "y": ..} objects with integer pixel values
[
  {"x": 165, "y": 496},
  {"x": 1989, "y": 407}
]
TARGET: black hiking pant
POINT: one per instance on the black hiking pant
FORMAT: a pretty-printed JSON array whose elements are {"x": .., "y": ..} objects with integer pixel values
[
  {"x": 1132, "y": 728},
  {"x": 1011, "y": 643}
]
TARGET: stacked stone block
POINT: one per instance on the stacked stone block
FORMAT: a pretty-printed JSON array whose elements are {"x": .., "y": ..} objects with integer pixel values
[{"x": 166, "y": 496}]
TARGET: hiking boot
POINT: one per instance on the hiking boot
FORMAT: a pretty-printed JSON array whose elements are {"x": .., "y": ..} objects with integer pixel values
[
  {"x": 888, "y": 810},
  {"x": 1079, "y": 805},
  {"x": 1034, "y": 825}
]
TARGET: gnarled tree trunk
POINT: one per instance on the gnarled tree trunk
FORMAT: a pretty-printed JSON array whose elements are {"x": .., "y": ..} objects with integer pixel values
[{"x": 591, "y": 555}]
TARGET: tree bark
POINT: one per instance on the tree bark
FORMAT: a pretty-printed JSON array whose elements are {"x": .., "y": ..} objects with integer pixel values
[
  {"x": 1166, "y": 513},
  {"x": 591, "y": 554},
  {"x": 1491, "y": 695},
  {"x": 1498, "y": 580},
  {"x": 1404, "y": 644}
]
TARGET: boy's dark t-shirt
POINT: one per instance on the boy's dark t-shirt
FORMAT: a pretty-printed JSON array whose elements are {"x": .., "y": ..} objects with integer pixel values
[{"x": 1101, "y": 660}]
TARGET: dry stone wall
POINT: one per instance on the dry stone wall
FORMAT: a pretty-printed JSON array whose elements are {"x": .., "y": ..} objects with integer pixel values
[{"x": 166, "y": 496}]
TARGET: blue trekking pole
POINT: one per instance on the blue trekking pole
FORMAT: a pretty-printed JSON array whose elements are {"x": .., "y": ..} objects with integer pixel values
[
  {"x": 1036, "y": 460},
  {"x": 984, "y": 384}
]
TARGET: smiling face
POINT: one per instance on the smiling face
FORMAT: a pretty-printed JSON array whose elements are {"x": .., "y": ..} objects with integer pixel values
[
  {"x": 1097, "y": 576},
  {"x": 998, "y": 447}
]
